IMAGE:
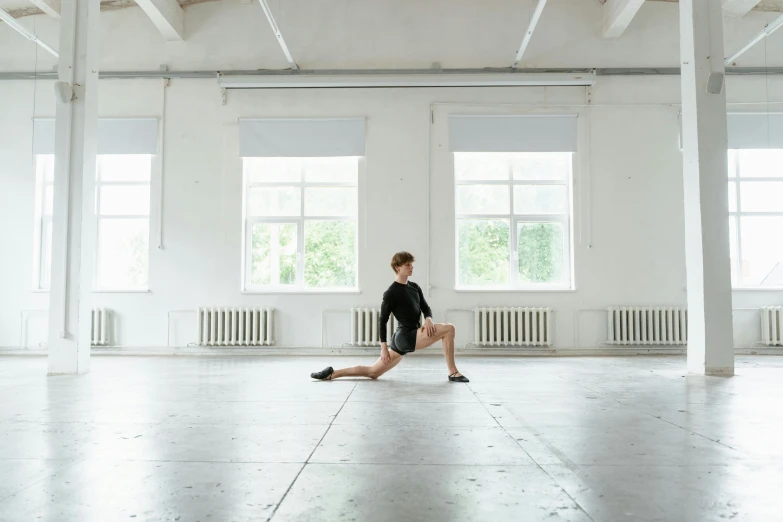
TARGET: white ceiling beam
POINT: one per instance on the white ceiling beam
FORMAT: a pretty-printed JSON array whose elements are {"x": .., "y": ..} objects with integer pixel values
[
  {"x": 618, "y": 15},
  {"x": 768, "y": 30},
  {"x": 50, "y": 7},
  {"x": 738, "y": 8},
  {"x": 16, "y": 26},
  {"x": 167, "y": 16},
  {"x": 271, "y": 18},
  {"x": 530, "y": 28}
]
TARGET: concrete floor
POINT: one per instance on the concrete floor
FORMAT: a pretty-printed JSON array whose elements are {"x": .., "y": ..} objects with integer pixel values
[{"x": 252, "y": 438}]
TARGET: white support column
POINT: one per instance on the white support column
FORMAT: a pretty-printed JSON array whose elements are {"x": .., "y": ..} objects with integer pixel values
[
  {"x": 618, "y": 15},
  {"x": 73, "y": 220},
  {"x": 168, "y": 17},
  {"x": 50, "y": 7},
  {"x": 738, "y": 8},
  {"x": 705, "y": 166}
]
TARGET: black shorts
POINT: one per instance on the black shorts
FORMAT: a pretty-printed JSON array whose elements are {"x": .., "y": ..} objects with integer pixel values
[{"x": 404, "y": 340}]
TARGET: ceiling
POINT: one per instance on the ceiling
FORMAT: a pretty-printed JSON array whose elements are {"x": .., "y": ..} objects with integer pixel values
[{"x": 20, "y": 8}]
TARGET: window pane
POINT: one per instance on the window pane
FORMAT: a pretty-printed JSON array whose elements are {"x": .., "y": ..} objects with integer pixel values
[
  {"x": 330, "y": 170},
  {"x": 44, "y": 164},
  {"x": 272, "y": 170},
  {"x": 481, "y": 166},
  {"x": 732, "y": 196},
  {"x": 123, "y": 253},
  {"x": 540, "y": 252},
  {"x": 540, "y": 199},
  {"x": 483, "y": 251},
  {"x": 761, "y": 196},
  {"x": 762, "y": 251},
  {"x": 762, "y": 163},
  {"x": 482, "y": 199},
  {"x": 124, "y": 167},
  {"x": 733, "y": 163},
  {"x": 274, "y": 254},
  {"x": 45, "y": 275},
  {"x": 48, "y": 202},
  {"x": 275, "y": 201},
  {"x": 541, "y": 165},
  {"x": 330, "y": 254},
  {"x": 330, "y": 201},
  {"x": 125, "y": 200},
  {"x": 733, "y": 249}
]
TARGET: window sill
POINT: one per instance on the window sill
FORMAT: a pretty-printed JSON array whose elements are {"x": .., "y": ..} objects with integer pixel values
[
  {"x": 526, "y": 290},
  {"x": 122, "y": 291},
  {"x": 757, "y": 289},
  {"x": 352, "y": 291},
  {"x": 114, "y": 291}
]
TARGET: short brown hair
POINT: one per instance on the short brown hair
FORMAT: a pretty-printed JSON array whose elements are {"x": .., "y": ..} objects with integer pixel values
[{"x": 401, "y": 258}]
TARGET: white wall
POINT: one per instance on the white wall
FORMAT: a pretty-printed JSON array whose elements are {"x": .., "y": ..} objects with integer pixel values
[{"x": 628, "y": 241}]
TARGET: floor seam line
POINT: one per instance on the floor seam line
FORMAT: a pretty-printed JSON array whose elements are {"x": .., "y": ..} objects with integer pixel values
[
  {"x": 618, "y": 401},
  {"x": 290, "y": 486},
  {"x": 531, "y": 458},
  {"x": 42, "y": 479}
]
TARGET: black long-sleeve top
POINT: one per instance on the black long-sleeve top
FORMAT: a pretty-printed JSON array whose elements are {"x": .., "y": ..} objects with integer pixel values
[{"x": 407, "y": 303}]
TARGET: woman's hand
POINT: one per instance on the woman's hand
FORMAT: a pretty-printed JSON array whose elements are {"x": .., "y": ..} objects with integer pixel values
[{"x": 385, "y": 355}]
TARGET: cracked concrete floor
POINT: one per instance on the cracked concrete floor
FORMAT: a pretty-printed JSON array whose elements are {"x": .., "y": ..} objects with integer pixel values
[{"x": 253, "y": 438}]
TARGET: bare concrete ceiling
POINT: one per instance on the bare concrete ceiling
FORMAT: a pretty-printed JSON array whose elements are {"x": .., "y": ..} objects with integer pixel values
[
  {"x": 770, "y": 6},
  {"x": 18, "y": 10}
]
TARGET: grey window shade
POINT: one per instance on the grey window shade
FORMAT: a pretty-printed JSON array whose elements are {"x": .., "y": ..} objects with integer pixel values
[
  {"x": 301, "y": 137},
  {"x": 115, "y": 136},
  {"x": 755, "y": 130},
  {"x": 505, "y": 133}
]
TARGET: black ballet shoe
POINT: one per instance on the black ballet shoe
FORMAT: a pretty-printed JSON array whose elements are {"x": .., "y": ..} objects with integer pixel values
[
  {"x": 323, "y": 375},
  {"x": 458, "y": 378}
]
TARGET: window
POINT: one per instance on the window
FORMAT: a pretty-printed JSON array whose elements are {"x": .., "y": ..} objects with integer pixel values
[
  {"x": 44, "y": 198},
  {"x": 756, "y": 217},
  {"x": 300, "y": 229},
  {"x": 513, "y": 220},
  {"x": 122, "y": 206}
]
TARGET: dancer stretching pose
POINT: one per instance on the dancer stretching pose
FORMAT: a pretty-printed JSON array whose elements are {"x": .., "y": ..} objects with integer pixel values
[{"x": 405, "y": 300}]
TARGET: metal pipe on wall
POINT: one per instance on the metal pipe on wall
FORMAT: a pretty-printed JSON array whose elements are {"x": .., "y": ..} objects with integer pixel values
[{"x": 616, "y": 71}]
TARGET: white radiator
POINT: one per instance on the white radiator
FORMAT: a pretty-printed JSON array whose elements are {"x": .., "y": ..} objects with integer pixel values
[
  {"x": 364, "y": 327},
  {"x": 235, "y": 326},
  {"x": 647, "y": 325},
  {"x": 101, "y": 327},
  {"x": 772, "y": 325},
  {"x": 513, "y": 327}
]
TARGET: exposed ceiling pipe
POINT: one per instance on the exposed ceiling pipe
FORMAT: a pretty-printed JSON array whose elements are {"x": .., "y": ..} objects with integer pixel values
[
  {"x": 184, "y": 75},
  {"x": 768, "y": 30},
  {"x": 16, "y": 26},
  {"x": 535, "y": 17},
  {"x": 278, "y": 34}
]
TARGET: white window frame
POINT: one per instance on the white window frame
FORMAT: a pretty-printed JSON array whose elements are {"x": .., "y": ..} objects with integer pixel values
[
  {"x": 737, "y": 215},
  {"x": 247, "y": 240},
  {"x": 42, "y": 219},
  {"x": 98, "y": 218},
  {"x": 514, "y": 220}
]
